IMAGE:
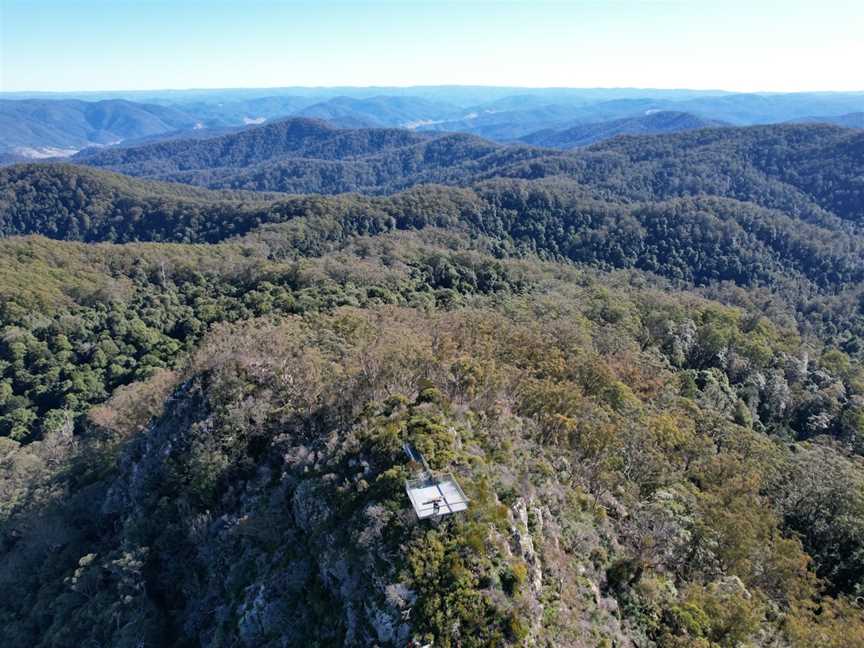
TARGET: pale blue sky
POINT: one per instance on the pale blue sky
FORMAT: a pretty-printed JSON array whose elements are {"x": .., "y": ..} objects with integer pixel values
[{"x": 148, "y": 44}]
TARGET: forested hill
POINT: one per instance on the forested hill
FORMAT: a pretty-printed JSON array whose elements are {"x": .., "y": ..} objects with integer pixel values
[
  {"x": 699, "y": 239},
  {"x": 851, "y": 120},
  {"x": 806, "y": 170},
  {"x": 195, "y": 428},
  {"x": 295, "y": 137},
  {"x": 70, "y": 202},
  {"x": 35, "y": 125},
  {"x": 801, "y": 169},
  {"x": 583, "y": 134},
  {"x": 825, "y": 162},
  {"x": 308, "y": 156}
]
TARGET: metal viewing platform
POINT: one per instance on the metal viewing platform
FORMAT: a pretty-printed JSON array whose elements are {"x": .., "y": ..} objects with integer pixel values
[
  {"x": 436, "y": 496},
  {"x": 433, "y": 496}
]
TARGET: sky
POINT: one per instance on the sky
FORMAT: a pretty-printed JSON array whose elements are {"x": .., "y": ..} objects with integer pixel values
[{"x": 760, "y": 45}]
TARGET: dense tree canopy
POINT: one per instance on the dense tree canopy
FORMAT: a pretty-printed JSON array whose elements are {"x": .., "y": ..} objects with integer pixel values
[{"x": 642, "y": 361}]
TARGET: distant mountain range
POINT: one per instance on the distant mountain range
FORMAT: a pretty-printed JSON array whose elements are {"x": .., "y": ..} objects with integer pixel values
[
  {"x": 406, "y": 112},
  {"x": 45, "y": 128},
  {"x": 653, "y": 123},
  {"x": 40, "y": 126},
  {"x": 852, "y": 120}
]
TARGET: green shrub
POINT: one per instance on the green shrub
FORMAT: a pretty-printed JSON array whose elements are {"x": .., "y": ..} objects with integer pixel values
[{"x": 513, "y": 577}]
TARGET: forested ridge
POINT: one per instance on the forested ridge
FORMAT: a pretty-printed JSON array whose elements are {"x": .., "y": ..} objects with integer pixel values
[
  {"x": 641, "y": 360},
  {"x": 699, "y": 238},
  {"x": 810, "y": 260},
  {"x": 794, "y": 167},
  {"x": 73, "y": 124},
  {"x": 297, "y": 137},
  {"x": 653, "y": 122},
  {"x": 300, "y": 155}
]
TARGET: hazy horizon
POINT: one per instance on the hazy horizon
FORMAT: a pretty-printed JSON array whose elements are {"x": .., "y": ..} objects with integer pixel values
[{"x": 423, "y": 86}]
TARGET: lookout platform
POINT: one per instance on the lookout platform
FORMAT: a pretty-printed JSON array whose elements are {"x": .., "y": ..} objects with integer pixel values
[
  {"x": 433, "y": 495},
  {"x": 436, "y": 496}
]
